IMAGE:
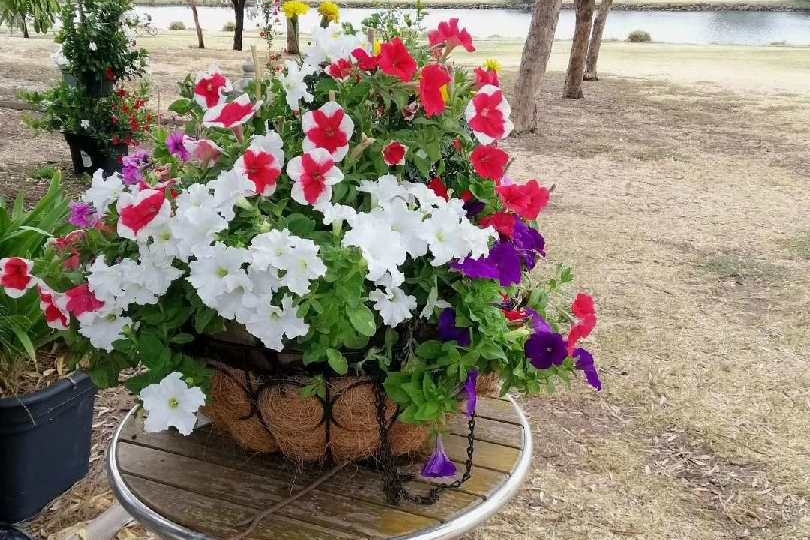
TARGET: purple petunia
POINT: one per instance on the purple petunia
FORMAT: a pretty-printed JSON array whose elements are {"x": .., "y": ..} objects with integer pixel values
[
  {"x": 439, "y": 465},
  {"x": 133, "y": 165},
  {"x": 82, "y": 215},
  {"x": 502, "y": 263},
  {"x": 473, "y": 207},
  {"x": 529, "y": 242},
  {"x": 546, "y": 349},
  {"x": 176, "y": 145},
  {"x": 539, "y": 324},
  {"x": 586, "y": 364},
  {"x": 472, "y": 394},
  {"x": 448, "y": 331}
]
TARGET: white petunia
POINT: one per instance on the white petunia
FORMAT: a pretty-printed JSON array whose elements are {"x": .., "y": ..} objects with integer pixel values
[
  {"x": 104, "y": 328},
  {"x": 271, "y": 324},
  {"x": 103, "y": 191},
  {"x": 296, "y": 257},
  {"x": 293, "y": 83},
  {"x": 393, "y": 305},
  {"x": 229, "y": 187},
  {"x": 379, "y": 244},
  {"x": 331, "y": 43},
  {"x": 171, "y": 403},
  {"x": 92, "y": 46},
  {"x": 407, "y": 222},
  {"x": 384, "y": 189},
  {"x": 217, "y": 272},
  {"x": 441, "y": 232},
  {"x": 336, "y": 212},
  {"x": 271, "y": 249},
  {"x": 85, "y": 124}
]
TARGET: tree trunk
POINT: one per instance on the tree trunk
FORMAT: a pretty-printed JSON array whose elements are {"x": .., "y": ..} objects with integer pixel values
[
  {"x": 24, "y": 27},
  {"x": 596, "y": 40},
  {"x": 239, "y": 11},
  {"x": 200, "y": 42},
  {"x": 579, "y": 49},
  {"x": 292, "y": 36},
  {"x": 533, "y": 64}
]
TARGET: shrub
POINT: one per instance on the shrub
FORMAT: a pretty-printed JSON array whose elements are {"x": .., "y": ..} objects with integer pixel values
[
  {"x": 229, "y": 26},
  {"x": 639, "y": 36},
  {"x": 177, "y": 25}
]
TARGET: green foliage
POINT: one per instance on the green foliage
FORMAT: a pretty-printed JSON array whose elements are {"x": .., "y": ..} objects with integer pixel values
[
  {"x": 639, "y": 36},
  {"x": 396, "y": 22},
  {"x": 177, "y": 25},
  {"x": 40, "y": 13},
  {"x": 229, "y": 26}
]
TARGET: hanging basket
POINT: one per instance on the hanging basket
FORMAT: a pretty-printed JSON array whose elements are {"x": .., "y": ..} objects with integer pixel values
[{"x": 270, "y": 414}]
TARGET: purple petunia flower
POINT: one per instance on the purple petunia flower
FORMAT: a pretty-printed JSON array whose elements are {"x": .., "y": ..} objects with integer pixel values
[
  {"x": 529, "y": 242},
  {"x": 546, "y": 349},
  {"x": 472, "y": 394},
  {"x": 82, "y": 215},
  {"x": 439, "y": 465},
  {"x": 586, "y": 364},
  {"x": 538, "y": 322},
  {"x": 502, "y": 263},
  {"x": 474, "y": 207},
  {"x": 176, "y": 145},
  {"x": 448, "y": 331},
  {"x": 132, "y": 167}
]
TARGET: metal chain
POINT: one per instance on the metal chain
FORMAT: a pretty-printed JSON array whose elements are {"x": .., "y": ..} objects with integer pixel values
[{"x": 393, "y": 487}]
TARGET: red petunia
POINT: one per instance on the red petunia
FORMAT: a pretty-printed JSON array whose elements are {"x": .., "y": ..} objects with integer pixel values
[
  {"x": 53, "y": 308},
  {"x": 487, "y": 114},
  {"x": 513, "y": 315},
  {"x": 526, "y": 200},
  {"x": 366, "y": 61},
  {"x": 340, "y": 70},
  {"x": 394, "y": 154},
  {"x": 261, "y": 168},
  {"x": 136, "y": 213},
  {"x": 15, "y": 276},
  {"x": 313, "y": 175},
  {"x": 449, "y": 35},
  {"x": 502, "y": 222},
  {"x": 434, "y": 78},
  {"x": 210, "y": 88},
  {"x": 329, "y": 128},
  {"x": 81, "y": 301},
  {"x": 395, "y": 60},
  {"x": 231, "y": 115},
  {"x": 439, "y": 188},
  {"x": 484, "y": 77},
  {"x": 584, "y": 310},
  {"x": 489, "y": 162}
]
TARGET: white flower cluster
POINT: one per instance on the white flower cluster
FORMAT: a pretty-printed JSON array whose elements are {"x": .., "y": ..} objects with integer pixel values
[{"x": 331, "y": 43}]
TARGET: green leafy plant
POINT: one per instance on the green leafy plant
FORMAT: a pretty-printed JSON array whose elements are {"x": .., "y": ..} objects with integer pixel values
[
  {"x": 40, "y": 13},
  {"x": 639, "y": 36},
  {"x": 177, "y": 25}
]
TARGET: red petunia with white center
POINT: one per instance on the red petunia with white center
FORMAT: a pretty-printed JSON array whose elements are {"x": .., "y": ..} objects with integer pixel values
[
  {"x": 54, "y": 308},
  {"x": 329, "y": 128},
  {"x": 394, "y": 153},
  {"x": 210, "y": 88},
  {"x": 487, "y": 114},
  {"x": 82, "y": 303},
  {"x": 262, "y": 163},
  {"x": 141, "y": 212},
  {"x": 232, "y": 114},
  {"x": 15, "y": 276},
  {"x": 313, "y": 174}
]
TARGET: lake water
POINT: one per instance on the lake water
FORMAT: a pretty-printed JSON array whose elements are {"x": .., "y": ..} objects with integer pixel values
[{"x": 724, "y": 27}]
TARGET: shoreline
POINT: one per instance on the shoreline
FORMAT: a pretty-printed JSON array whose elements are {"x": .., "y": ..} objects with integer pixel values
[{"x": 523, "y": 5}]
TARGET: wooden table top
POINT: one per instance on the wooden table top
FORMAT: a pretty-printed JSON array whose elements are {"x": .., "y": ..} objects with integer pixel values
[{"x": 201, "y": 486}]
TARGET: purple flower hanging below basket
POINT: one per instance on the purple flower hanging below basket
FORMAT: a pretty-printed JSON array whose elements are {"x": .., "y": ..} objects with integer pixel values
[
  {"x": 439, "y": 465},
  {"x": 470, "y": 390}
]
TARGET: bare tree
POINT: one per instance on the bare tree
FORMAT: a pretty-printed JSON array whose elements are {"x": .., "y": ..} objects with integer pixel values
[
  {"x": 596, "y": 40},
  {"x": 579, "y": 49},
  {"x": 239, "y": 12},
  {"x": 533, "y": 63},
  {"x": 200, "y": 43}
]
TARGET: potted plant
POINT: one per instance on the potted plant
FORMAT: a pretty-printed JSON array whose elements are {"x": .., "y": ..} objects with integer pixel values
[
  {"x": 97, "y": 114},
  {"x": 45, "y": 410},
  {"x": 345, "y": 244}
]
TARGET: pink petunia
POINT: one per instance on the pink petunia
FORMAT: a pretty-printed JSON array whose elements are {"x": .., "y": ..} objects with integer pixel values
[
  {"x": 139, "y": 213},
  {"x": 231, "y": 115},
  {"x": 210, "y": 88},
  {"x": 313, "y": 174},
  {"x": 395, "y": 60},
  {"x": 487, "y": 114},
  {"x": 450, "y": 36},
  {"x": 394, "y": 154},
  {"x": 328, "y": 127},
  {"x": 15, "y": 276}
]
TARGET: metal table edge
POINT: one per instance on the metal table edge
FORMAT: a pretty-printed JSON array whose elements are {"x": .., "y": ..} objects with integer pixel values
[{"x": 450, "y": 529}]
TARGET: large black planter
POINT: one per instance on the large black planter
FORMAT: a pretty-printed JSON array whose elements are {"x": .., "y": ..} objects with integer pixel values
[
  {"x": 88, "y": 155},
  {"x": 94, "y": 84},
  {"x": 44, "y": 445}
]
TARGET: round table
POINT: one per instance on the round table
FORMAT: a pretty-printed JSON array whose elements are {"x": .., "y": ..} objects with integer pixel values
[{"x": 202, "y": 486}]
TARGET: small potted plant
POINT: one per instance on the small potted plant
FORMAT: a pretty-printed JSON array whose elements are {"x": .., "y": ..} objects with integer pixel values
[
  {"x": 329, "y": 267},
  {"x": 45, "y": 409}
]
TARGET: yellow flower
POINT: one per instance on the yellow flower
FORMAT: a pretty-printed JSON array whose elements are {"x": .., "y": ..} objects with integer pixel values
[
  {"x": 445, "y": 93},
  {"x": 492, "y": 64},
  {"x": 377, "y": 47},
  {"x": 329, "y": 11},
  {"x": 294, "y": 8}
]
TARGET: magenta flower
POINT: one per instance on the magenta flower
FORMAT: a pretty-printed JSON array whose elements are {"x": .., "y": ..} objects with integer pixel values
[
  {"x": 586, "y": 364},
  {"x": 82, "y": 215},
  {"x": 448, "y": 331},
  {"x": 503, "y": 263},
  {"x": 177, "y": 146},
  {"x": 546, "y": 349},
  {"x": 472, "y": 395},
  {"x": 133, "y": 166},
  {"x": 439, "y": 465},
  {"x": 538, "y": 322}
]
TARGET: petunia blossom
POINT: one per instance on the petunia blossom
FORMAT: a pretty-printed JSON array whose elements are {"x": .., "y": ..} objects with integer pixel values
[
  {"x": 15, "y": 276},
  {"x": 262, "y": 162},
  {"x": 81, "y": 302},
  {"x": 204, "y": 151},
  {"x": 529, "y": 242},
  {"x": 484, "y": 77},
  {"x": 526, "y": 200},
  {"x": 82, "y": 215},
  {"x": 439, "y": 188},
  {"x": 366, "y": 61},
  {"x": 313, "y": 173},
  {"x": 394, "y": 153},
  {"x": 489, "y": 162},
  {"x": 450, "y": 36},
  {"x": 585, "y": 363},
  {"x": 175, "y": 143},
  {"x": 141, "y": 212},
  {"x": 545, "y": 349},
  {"x": 502, "y": 222},
  {"x": 171, "y": 403},
  {"x": 503, "y": 264},
  {"x": 232, "y": 114},
  {"x": 448, "y": 331},
  {"x": 439, "y": 464},
  {"x": 487, "y": 114},
  {"x": 471, "y": 391},
  {"x": 433, "y": 89},
  {"x": 395, "y": 60},
  {"x": 328, "y": 127},
  {"x": 584, "y": 310},
  {"x": 53, "y": 308},
  {"x": 340, "y": 70},
  {"x": 211, "y": 87}
]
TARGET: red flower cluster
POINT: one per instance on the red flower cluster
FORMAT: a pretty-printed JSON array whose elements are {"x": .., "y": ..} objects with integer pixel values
[
  {"x": 526, "y": 200},
  {"x": 584, "y": 310},
  {"x": 450, "y": 36}
]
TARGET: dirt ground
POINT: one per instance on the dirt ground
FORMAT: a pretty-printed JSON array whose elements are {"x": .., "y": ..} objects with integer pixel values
[{"x": 683, "y": 207}]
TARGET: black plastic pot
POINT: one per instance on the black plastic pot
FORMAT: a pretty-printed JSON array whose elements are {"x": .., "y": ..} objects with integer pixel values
[
  {"x": 88, "y": 155},
  {"x": 94, "y": 84},
  {"x": 44, "y": 445}
]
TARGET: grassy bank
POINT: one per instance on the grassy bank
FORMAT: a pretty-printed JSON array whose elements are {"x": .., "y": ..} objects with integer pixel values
[{"x": 643, "y": 5}]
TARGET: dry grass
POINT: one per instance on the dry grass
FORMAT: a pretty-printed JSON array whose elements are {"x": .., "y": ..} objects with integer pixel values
[{"x": 684, "y": 211}]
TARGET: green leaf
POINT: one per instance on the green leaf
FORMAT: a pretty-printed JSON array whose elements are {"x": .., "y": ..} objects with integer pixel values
[
  {"x": 337, "y": 361},
  {"x": 182, "y": 106},
  {"x": 362, "y": 320}
]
